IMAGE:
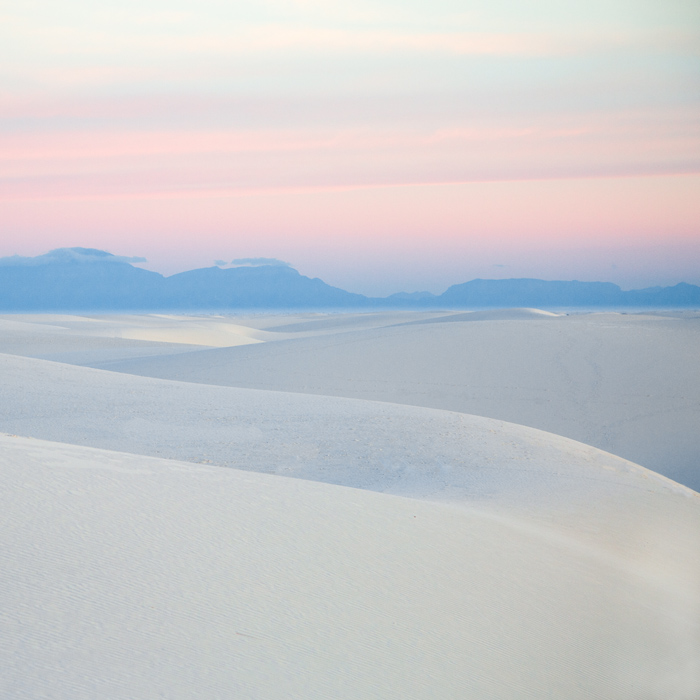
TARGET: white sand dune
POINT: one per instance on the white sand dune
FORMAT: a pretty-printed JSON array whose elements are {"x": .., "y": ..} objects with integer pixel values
[
  {"x": 492, "y": 315},
  {"x": 401, "y": 450},
  {"x": 128, "y": 576},
  {"x": 318, "y": 324},
  {"x": 86, "y": 349},
  {"x": 365, "y": 444},
  {"x": 624, "y": 383},
  {"x": 79, "y": 340},
  {"x": 14, "y": 326},
  {"x": 418, "y": 552},
  {"x": 212, "y": 331}
]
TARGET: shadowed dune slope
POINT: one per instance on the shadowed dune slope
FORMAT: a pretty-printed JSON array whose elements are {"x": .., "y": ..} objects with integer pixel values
[
  {"x": 626, "y": 384},
  {"x": 391, "y": 448}
]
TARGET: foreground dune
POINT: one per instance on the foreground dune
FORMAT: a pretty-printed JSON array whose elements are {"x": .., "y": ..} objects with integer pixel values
[{"x": 128, "y": 576}]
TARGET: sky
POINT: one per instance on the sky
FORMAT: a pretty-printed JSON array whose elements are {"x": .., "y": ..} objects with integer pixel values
[{"x": 382, "y": 146}]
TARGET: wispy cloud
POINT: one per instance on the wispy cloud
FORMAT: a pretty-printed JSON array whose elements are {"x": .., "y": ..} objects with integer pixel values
[
  {"x": 105, "y": 163},
  {"x": 259, "y": 262}
]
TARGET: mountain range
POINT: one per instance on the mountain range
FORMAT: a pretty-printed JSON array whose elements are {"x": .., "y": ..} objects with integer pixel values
[{"x": 85, "y": 279}]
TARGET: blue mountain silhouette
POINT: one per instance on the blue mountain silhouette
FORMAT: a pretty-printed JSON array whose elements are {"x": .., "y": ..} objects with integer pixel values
[{"x": 86, "y": 279}]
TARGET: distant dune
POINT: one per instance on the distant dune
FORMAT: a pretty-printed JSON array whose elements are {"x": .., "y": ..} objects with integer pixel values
[
  {"x": 627, "y": 384},
  {"x": 492, "y": 315}
]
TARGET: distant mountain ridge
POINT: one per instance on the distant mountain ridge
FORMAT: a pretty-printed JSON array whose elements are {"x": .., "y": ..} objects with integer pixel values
[
  {"x": 90, "y": 280},
  {"x": 533, "y": 293},
  {"x": 86, "y": 279}
]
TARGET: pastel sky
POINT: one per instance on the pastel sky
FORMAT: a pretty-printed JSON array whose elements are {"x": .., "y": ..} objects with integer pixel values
[{"x": 382, "y": 146}]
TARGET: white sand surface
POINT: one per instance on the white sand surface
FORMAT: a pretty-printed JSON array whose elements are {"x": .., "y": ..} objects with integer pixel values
[
  {"x": 322, "y": 324},
  {"x": 389, "y": 448},
  {"x": 78, "y": 340},
  {"x": 628, "y": 384},
  {"x": 131, "y": 577},
  {"x": 212, "y": 331},
  {"x": 95, "y": 339},
  {"x": 492, "y": 315},
  {"x": 418, "y": 552}
]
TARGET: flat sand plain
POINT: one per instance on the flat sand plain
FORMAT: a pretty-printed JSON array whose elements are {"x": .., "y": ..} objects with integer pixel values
[{"x": 154, "y": 544}]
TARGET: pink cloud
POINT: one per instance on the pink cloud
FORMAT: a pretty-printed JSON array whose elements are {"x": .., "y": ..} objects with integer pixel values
[{"x": 145, "y": 163}]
